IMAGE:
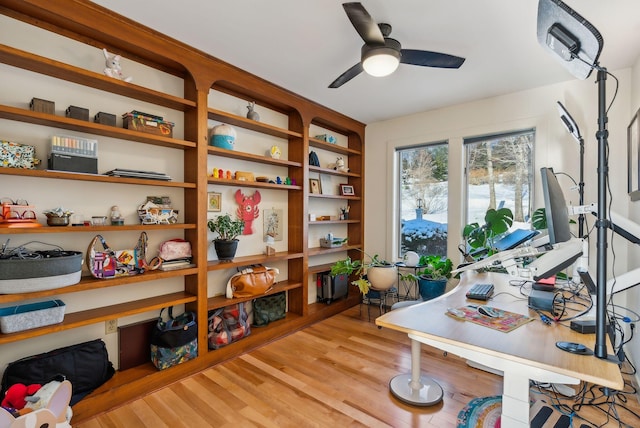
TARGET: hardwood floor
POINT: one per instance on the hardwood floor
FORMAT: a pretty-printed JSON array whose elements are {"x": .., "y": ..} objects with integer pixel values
[{"x": 332, "y": 374}]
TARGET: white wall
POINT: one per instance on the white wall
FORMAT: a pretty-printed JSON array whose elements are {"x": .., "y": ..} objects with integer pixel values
[{"x": 554, "y": 147}]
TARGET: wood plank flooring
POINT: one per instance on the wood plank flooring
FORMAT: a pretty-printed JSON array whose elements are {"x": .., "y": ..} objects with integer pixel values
[{"x": 332, "y": 374}]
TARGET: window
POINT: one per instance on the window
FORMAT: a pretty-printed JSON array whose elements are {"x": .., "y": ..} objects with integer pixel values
[
  {"x": 423, "y": 192},
  {"x": 499, "y": 173}
]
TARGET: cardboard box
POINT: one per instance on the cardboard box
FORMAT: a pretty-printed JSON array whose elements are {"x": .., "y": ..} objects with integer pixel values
[
  {"x": 71, "y": 163},
  {"x": 42, "y": 106},
  {"x": 147, "y": 125}
]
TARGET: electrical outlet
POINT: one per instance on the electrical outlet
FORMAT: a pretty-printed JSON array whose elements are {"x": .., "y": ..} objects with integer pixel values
[{"x": 110, "y": 326}]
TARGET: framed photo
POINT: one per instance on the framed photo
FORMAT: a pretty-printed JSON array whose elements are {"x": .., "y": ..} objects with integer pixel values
[
  {"x": 214, "y": 202},
  {"x": 346, "y": 190},
  {"x": 314, "y": 185},
  {"x": 273, "y": 220},
  {"x": 633, "y": 157}
]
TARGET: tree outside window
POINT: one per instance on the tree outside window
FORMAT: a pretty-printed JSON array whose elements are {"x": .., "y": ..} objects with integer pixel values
[
  {"x": 423, "y": 199},
  {"x": 499, "y": 173}
]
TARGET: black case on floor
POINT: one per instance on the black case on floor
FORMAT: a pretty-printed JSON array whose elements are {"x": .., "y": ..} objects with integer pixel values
[{"x": 332, "y": 288}]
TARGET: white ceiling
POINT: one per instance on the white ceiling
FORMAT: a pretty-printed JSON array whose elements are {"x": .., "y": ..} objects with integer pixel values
[{"x": 303, "y": 45}]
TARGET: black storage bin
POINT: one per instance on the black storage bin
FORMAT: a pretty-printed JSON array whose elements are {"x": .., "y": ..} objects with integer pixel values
[{"x": 77, "y": 113}]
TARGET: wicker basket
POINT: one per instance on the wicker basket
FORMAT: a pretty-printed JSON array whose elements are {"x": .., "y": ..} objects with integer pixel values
[{"x": 32, "y": 315}]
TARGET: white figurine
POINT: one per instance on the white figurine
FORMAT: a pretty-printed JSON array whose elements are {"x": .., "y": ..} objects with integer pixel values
[{"x": 113, "y": 67}]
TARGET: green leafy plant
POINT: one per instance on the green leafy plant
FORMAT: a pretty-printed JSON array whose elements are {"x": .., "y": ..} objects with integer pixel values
[
  {"x": 435, "y": 267},
  {"x": 226, "y": 228},
  {"x": 496, "y": 222},
  {"x": 358, "y": 268}
]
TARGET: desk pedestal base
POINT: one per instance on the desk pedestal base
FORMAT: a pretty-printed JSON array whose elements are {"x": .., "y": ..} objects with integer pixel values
[{"x": 414, "y": 388}]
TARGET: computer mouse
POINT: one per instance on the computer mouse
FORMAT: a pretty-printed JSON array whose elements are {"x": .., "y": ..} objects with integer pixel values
[{"x": 487, "y": 311}]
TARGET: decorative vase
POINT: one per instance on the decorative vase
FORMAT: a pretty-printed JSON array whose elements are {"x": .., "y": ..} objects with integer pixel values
[
  {"x": 223, "y": 136},
  {"x": 382, "y": 277},
  {"x": 225, "y": 249},
  {"x": 431, "y": 288}
]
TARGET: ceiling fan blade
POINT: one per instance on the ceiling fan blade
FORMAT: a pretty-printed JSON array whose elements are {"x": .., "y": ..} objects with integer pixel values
[
  {"x": 430, "y": 59},
  {"x": 363, "y": 23},
  {"x": 347, "y": 75}
]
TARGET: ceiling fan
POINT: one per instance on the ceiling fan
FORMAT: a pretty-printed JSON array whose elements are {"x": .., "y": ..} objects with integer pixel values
[{"x": 380, "y": 54}]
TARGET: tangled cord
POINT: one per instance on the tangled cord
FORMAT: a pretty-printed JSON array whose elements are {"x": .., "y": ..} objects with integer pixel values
[{"x": 21, "y": 252}]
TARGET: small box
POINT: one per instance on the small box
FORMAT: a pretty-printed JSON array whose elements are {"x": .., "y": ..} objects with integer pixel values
[
  {"x": 76, "y": 146},
  {"x": 105, "y": 118},
  {"x": 71, "y": 163},
  {"x": 147, "y": 124},
  {"x": 16, "y": 155},
  {"x": 331, "y": 243},
  {"x": 79, "y": 113},
  {"x": 42, "y": 106},
  {"x": 33, "y": 315}
]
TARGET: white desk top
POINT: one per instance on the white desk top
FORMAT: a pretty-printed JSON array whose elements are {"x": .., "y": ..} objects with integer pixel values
[{"x": 532, "y": 344}]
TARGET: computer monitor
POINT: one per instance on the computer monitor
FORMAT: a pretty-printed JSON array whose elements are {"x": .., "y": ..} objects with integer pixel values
[{"x": 555, "y": 208}]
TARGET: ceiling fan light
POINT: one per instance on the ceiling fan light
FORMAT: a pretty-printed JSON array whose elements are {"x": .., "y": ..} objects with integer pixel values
[{"x": 381, "y": 61}]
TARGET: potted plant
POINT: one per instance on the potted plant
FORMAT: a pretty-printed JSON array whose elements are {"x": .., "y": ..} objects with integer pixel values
[
  {"x": 480, "y": 239},
  {"x": 228, "y": 231},
  {"x": 432, "y": 278},
  {"x": 375, "y": 273}
]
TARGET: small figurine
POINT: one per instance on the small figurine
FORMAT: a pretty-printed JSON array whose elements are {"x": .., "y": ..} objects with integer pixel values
[
  {"x": 216, "y": 173},
  {"x": 287, "y": 181},
  {"x": 278, "y": 180},
  {"x": 275, "y": 152},
  {"x": 252, "y": 114},
  {"x": 339, "y": 165},
  {"x": 113, "y": 67},
  {"x": 221, "y": 173},
  {"x": 228, "y": 174}
]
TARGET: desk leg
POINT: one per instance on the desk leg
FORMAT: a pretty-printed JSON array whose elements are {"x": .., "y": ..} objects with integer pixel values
[
  {"x": 413, "y": 388},
  {"x": 515, "y": 399}
]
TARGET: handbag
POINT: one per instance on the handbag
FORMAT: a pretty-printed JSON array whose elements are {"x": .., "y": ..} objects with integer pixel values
[
  {"x": 269, "y": 308},
  {"x": 228, "y": 325},
  {"x": 174, "y": 341},
  {"x": 175, "y": 249},
  {"x": 313, "y": 159},
  {"x": 251, "y": 281},
  {"x": 109, "y": 263}
]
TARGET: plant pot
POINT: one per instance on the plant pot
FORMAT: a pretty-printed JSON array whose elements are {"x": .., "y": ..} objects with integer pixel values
[
  {"x": 431, "y": 288},
  {"x": 225, "y": 249},
  {"x": 382, "y": 277}
]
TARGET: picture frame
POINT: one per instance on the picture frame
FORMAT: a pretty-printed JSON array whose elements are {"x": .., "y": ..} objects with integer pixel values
[
  {"x": 214, "y": 201},
  {"x": 347, "y": 190},
  {"x": 314, "y": 186},
  {"x": 633, "y": 157}
]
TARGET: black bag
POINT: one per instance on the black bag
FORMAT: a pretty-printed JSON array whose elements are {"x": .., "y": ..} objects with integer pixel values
[
  {"x": 174, "y": 341},
  {"x": 269, "y": 308},
  {"x": 86, "y": 365}
]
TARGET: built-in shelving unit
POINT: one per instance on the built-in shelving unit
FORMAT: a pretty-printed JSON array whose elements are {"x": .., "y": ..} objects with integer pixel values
[{"x": 75, "y": 20}]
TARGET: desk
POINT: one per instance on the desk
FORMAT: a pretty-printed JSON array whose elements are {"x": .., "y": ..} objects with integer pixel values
[{"x": 526, "y": 353}]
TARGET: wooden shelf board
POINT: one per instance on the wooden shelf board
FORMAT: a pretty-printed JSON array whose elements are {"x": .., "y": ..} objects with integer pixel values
[
  {"x": 59, "y": 70},
  {"x": 319, "y": 195},
  {"x": 330, "y": 171},
  {"x": 92, "y": 316},
  {"x": 319, "y": 144},
  {"x": 217, "y": 151},
  {"x": 242, "y": 122},
  {"x": 251, "y": 260},
  {"x": 221, "y": 301},
  {"x": 45, "y": 119},
  {"x": 65, "y": 175},
  {"x": 311, "y": 223},
  {"x": 259, "y": 184},
  {"x": 76, "y": 229},
  {"x": 316, "y": 251},
  {"x": 90, "y": 283}
]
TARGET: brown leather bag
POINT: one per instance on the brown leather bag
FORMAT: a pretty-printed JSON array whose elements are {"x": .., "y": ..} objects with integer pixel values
[{"x": 253, "y": 281}]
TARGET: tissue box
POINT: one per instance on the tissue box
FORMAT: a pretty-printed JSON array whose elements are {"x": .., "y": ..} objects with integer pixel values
[{"x": 33, "y": 315}]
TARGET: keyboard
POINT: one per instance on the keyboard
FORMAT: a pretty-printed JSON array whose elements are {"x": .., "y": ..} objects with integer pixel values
[{"x": 480, "y": 291}]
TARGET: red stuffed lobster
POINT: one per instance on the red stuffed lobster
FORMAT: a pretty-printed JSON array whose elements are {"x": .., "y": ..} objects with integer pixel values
[{"x": 248, "y": 209}]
